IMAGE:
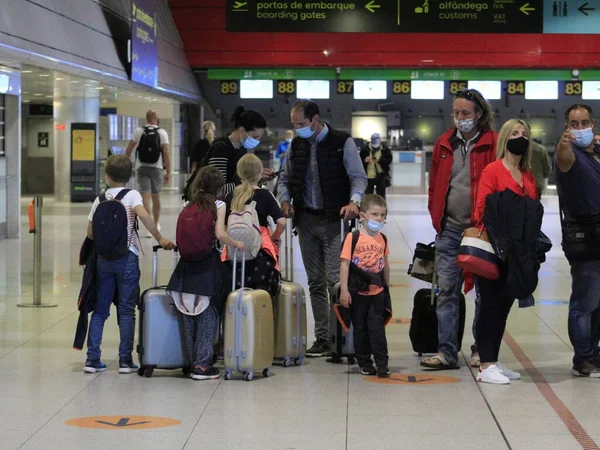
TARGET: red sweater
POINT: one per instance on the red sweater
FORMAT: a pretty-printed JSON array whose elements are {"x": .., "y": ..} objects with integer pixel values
[{"x": 497, "y": 178}]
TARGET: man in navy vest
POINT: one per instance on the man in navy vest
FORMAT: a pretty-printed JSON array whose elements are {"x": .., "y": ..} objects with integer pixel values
[
  {"x": 323, "y": 178},
  {"x": 578, "y": 182}
]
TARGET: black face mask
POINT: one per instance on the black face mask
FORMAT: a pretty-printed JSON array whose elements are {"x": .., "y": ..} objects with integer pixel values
[{"x": 518, "y": 146}]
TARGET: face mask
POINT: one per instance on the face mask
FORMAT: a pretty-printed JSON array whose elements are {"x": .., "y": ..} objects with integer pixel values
[
  {"x": 374, "y": 226},
  {"x": 288, "y": 140},
  {"x": 305, "y": 132},
  {"x": 249, "y": 143},
  {"x": 584, "y": 137},
  {"x": 465, "y": 125},
  {"x": 375, "y": 144},
  {"x": 518, "y": 146}
]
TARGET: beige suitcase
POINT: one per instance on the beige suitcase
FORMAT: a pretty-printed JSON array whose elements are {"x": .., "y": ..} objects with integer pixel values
[
  {"x": 248, "y": 330},
  {"x": 289, "y": 309}
]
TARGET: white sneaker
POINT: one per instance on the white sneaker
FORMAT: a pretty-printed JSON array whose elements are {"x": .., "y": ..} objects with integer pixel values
[
  {"x": 510, "y": 374},
  {"x": 492, "y": 375}
]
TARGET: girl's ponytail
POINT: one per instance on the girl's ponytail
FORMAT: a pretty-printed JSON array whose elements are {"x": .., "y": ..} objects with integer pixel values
[{"x": 249, "y": 169}]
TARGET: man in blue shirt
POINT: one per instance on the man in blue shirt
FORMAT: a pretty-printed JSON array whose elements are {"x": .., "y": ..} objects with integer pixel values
[
  {"x": 323, "y": 178},
  {"x": 283, "y": 147},
  {"x": 578, "y": 183}
]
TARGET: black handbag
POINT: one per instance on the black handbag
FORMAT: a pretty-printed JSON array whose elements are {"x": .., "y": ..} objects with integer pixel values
[
  {"x": 423, "y": 261},
  {"x": 581, "y": 236}
]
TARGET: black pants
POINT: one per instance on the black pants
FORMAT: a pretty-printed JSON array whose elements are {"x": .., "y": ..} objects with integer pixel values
[
  {"x": 369, "y": 330},
  {"x": 491, "y": 323},
  {"x": 377, "y": 185}
]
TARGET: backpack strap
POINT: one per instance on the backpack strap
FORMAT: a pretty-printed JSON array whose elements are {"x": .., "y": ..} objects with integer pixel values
[
  {"x": 122, "y": 194},
  {"x": 355, "y": 236},
  {"x": 102, "y": 198}
]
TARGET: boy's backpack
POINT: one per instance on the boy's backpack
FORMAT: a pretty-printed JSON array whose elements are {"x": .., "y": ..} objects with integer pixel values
[
  {"x": 195, "y": 233},
  {"x": 149, "y": 148},
  {"x": 244, "y": 226},
  {"x": 110, "y": 227},
  {"x": 356, "y": 235}
]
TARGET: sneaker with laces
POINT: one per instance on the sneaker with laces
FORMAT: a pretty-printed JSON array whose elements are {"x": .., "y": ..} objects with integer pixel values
[
  {"x": 510, "y": 374},
  {"x": 206, "y": 373},
  {"x": 93, "y": 367},
  {"x": 383, "y": 372},
  {"x": 368, "y": 370},
  {"x": 586, "y": 369},
  {"x": 319, "y": 348},
  {"x": 492, "y": 375},
  {"x": 128, "y": 367}
]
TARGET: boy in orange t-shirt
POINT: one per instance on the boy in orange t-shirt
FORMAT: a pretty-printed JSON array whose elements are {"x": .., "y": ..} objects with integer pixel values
[{"x": 367, "y": 306}]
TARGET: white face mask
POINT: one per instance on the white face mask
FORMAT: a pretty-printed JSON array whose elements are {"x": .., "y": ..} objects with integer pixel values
[
  {"x": 584, "y": 137},
  {"x": 288, "y": 140},
  {"x": 465, "y": 125}
]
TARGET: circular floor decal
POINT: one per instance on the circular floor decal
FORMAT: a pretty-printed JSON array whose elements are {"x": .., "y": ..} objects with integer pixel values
[
  {"x": 414, "y": 379},
  {"x": 123, "y": 422}
]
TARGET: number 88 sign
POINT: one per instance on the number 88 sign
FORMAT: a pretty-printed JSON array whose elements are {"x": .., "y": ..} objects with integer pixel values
[{"x": 286, "y": 87}]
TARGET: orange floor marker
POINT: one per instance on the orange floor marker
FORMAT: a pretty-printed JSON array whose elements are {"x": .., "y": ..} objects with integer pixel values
[{"x": 123, "y": 422}]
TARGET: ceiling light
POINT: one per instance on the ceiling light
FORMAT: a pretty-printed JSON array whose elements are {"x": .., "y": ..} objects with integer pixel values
[
  {"x": 38, "y": 95},
  {"x": 49, "y": 96},
  {"x": 99, "y": 88},
  {"x": 26, "y": 71},
  {"x": 59, "y": 79},
  {"x": 94, "y": 81},
  {"x": 326, "y": 52},
  {"x": 74, "y": 81},
  {"x": 427, "y": 60},
  {"x": 25, "y": 101},
  {"x": 24, "y": 93},
  {"x": 44, "y": 75}
]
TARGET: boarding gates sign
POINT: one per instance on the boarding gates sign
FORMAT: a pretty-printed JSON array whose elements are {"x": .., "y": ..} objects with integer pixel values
[
  {"x": 385, "y": 16},
  {"x": 415, "y": 16},
  {"x": 143, "y": 54}
]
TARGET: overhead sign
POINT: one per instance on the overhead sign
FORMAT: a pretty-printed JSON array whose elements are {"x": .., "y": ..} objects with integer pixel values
[
  {"x": 123, "y": 422},
  {"x": 455, "y": 74},
  {"x": 271, "y": 74},
  {"x": 144, "y": 42},
  {"x": 385, "y": 16},
  {"x": 571, "y": 17}
]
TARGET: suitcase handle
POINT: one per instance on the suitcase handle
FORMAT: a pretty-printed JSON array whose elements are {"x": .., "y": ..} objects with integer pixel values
[
  {"x": 352, "y": 224},
  {"x": 155, "y": 250},
  {"x": 233, "y": 276},
  {"x": 288, "y": 247}
]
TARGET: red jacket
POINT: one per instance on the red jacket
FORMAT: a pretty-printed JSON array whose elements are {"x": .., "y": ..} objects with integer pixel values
[{"x": 482, "y": 153}]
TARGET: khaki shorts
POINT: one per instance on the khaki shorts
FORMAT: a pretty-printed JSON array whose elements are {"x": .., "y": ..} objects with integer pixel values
[{"x": 149, "y": 179}]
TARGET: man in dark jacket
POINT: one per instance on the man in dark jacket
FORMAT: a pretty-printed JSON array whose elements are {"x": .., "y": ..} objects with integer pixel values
[
  {"x": 578, "y": 181},
  {"x": 322, "y": 178},
  {"x": 377, "y": 159},
  {"x": 459, "y": 157}
]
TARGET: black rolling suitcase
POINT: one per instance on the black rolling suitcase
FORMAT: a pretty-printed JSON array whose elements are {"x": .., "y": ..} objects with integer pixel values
[{"x": 424, "y": 324}]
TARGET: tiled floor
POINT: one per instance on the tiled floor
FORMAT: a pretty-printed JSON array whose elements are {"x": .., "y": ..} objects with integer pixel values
[{"x": 316, "y": 406}]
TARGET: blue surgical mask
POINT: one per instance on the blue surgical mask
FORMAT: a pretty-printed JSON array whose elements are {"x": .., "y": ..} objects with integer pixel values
[
  {"x": 249, "y": 143},
  {"x": 305, "y": 132},
  {"x": 288, "y": 140},
  {"x": 584, "y": 137},
  {"x": 374, "y": 225}
]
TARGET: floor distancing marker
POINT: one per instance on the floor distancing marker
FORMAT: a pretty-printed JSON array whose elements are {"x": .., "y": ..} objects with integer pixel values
[
  {"x": 413, "y": 379},
  {"x": 123, "y": 422}
]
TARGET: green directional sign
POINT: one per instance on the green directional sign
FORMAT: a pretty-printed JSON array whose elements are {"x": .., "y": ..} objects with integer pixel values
[
  {"x": 456, "y": 74},
  {"x": 271, "y": 74},
  {"x": 385, "y": 16}
]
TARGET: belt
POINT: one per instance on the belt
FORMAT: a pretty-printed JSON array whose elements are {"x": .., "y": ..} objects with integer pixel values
[{"x": 313, "y": 212}]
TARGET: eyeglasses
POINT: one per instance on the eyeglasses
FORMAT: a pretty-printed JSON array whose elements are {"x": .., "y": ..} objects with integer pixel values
[{"x": 469, "y": 95}]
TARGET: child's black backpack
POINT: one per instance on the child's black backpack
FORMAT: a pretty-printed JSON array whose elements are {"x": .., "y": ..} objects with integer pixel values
[
  {"x": 109, "y": 225},
  {"x": 149, "y": 148}
]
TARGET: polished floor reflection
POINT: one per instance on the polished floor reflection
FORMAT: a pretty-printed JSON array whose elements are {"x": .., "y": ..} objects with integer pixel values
[{"x": 316, "y": 406}]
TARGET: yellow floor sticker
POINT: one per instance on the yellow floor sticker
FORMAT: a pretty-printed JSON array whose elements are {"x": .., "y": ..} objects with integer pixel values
[
  {"x": 414, "y": 379},
  {"x": 123, "y": 422}
]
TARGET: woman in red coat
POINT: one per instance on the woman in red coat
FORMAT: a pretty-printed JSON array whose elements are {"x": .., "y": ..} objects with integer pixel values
[{"x": 512, "y": 170}]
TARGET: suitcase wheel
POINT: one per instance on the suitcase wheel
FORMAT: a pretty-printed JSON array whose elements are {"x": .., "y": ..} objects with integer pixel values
[
  {"x": 228, "y": 375},
  {"x": 351, "y": 360},
  {"x": 287, "y": 362},
  {"x": 148, "y": 371},
  {"x": 187, "y": 370},
  {"x": 140, "y": 371},
  {"x": 266, "y": 372},
  {"x": 248, "y": 376},
  {"x": 420, "y": 354},
  {"x": 299, "y": 361},
  {"x": 336, "y": 358}
]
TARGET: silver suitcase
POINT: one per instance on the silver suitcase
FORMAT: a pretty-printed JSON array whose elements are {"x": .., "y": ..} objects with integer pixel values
[
  {"x": 289, "y": 312},
  {"x": 160, "y": 342}
]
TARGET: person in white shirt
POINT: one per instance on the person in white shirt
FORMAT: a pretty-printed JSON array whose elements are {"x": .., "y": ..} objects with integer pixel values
[{"x": 153, "y": 164}]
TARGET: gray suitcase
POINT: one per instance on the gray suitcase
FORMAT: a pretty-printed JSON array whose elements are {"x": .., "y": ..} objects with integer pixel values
[
  {"x": 160, "y": 343},
  {"x": 341, "y": 341},
  {"x": 289, "y": 311}
]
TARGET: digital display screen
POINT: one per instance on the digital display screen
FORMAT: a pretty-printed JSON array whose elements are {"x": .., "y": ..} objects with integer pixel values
[
  {"x": 590, "y": 90},
  {"x": 426, "y": 90},
  {"x": 256, "y": 88},
  {"x": 491, "y": 90},
  {"x": 541, "y": 90},
  {"x": 312, "y": 89},
  {"x": 370, "y": 90}
]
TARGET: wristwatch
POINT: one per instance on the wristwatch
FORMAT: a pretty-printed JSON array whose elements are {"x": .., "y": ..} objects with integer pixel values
[{"x": 356, "y": 202}]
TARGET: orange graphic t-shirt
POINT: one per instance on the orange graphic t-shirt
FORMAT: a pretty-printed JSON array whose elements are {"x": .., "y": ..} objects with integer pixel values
[{"x": 369, "y": 255}]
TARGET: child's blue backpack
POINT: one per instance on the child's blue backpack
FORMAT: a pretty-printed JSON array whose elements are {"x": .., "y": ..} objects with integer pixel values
[{"x": 109, "y": 226}]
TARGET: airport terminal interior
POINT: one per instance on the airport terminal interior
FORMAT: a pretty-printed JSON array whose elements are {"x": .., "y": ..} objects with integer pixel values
[{"x": 71, "y": 98}]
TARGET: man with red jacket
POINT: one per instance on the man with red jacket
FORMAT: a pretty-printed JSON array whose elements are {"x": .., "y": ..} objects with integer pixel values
[{"x": 459, "y": 157}]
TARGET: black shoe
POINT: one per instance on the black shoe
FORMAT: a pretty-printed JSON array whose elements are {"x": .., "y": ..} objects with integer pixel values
[
  {"x": 209, "y": 372},
  {"x": 319, "y": 348},
  {"x": 368, "y": 370},
  {"x": 586, "y": 369},
  {"x": 383, "y": 372}
]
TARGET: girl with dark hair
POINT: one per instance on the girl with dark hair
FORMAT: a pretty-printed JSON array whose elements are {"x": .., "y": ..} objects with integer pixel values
[
  {"x": 248, "y": 129},
  {"x": 199, "y": 287}
]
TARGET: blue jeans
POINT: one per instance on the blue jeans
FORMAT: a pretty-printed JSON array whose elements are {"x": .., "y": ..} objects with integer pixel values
[
  {"x": 123, "y": 277},
  {"x": 450, "y": 281},
  {"x": 584, "y": 310}
]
